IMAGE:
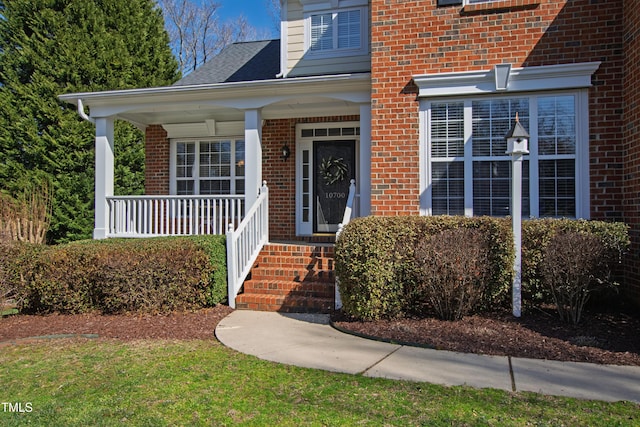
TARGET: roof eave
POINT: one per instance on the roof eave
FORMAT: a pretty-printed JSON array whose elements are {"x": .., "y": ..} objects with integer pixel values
[{"x": 313, "y": 84}]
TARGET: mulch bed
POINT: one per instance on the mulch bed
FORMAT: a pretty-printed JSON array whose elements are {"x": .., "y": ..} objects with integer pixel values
[
  {"x": 605, "y": 338},
  {"x": 188, "y": 325}
]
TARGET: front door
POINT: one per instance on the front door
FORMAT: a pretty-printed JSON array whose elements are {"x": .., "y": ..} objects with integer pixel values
[
  {"x": 325, "y": 165},
  {"x": 334, "y": 165}
]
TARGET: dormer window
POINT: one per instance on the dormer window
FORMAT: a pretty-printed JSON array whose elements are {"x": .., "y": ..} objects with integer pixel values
[{"x": 336, "y": 33}]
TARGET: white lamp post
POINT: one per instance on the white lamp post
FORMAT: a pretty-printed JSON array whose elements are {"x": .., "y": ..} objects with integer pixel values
[{"x": 517, "y": 139}]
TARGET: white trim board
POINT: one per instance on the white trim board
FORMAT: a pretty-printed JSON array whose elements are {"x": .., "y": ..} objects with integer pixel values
[{"x": 546, "y": 77}]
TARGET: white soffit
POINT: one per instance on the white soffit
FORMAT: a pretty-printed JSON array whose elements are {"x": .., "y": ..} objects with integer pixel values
[{"x": 546, "y": 77}]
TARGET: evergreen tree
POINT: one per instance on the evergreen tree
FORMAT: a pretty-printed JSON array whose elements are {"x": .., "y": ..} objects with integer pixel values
[{"x": 51, "y": 47}]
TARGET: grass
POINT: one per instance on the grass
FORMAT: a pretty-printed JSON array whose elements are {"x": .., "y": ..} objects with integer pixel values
[{"x": 158, "y": 383}]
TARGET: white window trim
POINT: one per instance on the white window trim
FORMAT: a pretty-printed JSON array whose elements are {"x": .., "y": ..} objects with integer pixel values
[
  {"x": 582, "y": 177},
  {"x": 173, "y": 154},
  {"x": 335, "y": 52},
  {"x": 317, "y": 5},
  {"x": 522, "y": 81},
  {"x": 527, "y": 79}
]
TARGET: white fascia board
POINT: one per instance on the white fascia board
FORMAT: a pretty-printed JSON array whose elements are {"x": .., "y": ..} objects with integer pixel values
[
  {"x": 546, "y": 77},
  {"x": 244, "y": 95}
]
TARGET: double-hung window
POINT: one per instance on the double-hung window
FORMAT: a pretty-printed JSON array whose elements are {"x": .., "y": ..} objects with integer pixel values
[
  {"x": 339, "y": 32},
  {"x": 469, "y": 173},
  {"x": 208, "y": 167}
]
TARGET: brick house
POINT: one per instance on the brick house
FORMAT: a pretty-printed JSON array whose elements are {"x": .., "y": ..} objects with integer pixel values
[{"x": 411, "y": 99}]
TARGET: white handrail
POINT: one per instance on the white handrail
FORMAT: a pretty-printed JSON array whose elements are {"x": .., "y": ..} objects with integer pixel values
[
  {"x": 245, "y": 243},
  {"x": 152, "y": 216},
  {"x": 348, "y": 211}
]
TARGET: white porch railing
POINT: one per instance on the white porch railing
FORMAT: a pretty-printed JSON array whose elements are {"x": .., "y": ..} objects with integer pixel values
[
  {"x": 348, "y": 212},
  {"x": 152, "y": 216},
  {"x": 245, "y": 243}
]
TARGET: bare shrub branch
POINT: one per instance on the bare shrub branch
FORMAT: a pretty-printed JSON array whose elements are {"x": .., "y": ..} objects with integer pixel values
[
  {"x": 455, "y": 266},
  {"x": 26, "y": 218},
  {"x": 574, "y": 265}
]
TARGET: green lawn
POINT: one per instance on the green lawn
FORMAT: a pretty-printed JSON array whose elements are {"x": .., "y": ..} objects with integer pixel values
[{"x": 156, "y": 383}]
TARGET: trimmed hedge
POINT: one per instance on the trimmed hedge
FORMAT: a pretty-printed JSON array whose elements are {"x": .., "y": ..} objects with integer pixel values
[
  {"x": 380, "y": 277},
  {"x": 126, "y": 275},
  {"x": 375, "y": 261}
]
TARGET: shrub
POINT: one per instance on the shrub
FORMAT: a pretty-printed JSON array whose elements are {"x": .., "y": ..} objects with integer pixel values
[
  {"x": 537, "y": 234},
  {"x": 375, "y": 261},
  {"x": 137, "y": 275},
  {"x": 574, "y": 265},
  {"x": 455, "y": 271},
  {"x": 370, "y": 264},
  {"x": 215, "y": 248},
  {"x": 16, "y": 261}
]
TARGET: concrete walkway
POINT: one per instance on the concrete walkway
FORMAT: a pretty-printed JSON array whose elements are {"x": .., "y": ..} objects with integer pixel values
[{"x": 309, "y": 341}]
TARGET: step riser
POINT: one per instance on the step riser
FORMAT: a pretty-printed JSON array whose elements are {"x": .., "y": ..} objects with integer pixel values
[
  {"x": 303, "y": 252},
  {"x": 296, "y": 262},
  {"x": 313, "y": 290},
  {"x": 291, "y": 274},
  {"x": 284, "y": 305}
]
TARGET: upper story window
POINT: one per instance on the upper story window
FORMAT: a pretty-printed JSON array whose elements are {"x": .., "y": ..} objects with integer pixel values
[{"x": 336, "y": 33}]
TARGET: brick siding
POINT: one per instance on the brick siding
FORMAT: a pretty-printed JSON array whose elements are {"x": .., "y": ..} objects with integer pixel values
[{"x": 156, "y": 149}]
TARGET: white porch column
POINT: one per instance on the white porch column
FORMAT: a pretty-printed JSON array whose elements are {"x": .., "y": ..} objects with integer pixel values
[
  {"x": 104, "y": 175},
  {"x": 253, "y": 156},
  {"x": 364, "y": 181}
]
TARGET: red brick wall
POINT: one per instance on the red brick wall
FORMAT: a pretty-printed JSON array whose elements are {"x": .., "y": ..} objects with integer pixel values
[
  {"x": 416, "y": 37},
  {"x": 632, "y": 143},
  {"x": 156, "y": 149},
  {"x": 281, "y": 175}
]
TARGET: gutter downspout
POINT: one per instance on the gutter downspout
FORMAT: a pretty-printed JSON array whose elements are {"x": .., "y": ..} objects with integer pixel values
[{"x": 83, "y": 114}]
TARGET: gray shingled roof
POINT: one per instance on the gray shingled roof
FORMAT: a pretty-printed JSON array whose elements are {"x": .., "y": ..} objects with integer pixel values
[{"x": 243, "y": 61}]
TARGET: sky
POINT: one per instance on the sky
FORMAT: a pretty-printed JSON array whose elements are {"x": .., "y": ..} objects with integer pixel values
[{"x": 256, "y": 12}]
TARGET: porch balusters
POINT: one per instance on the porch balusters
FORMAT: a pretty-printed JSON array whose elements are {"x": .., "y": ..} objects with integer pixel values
[{"x": 151, "y": 216}]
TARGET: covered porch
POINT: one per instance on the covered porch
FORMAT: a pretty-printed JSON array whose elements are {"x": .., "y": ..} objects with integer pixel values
[
  {"x": 263, "y": 116},
  {"x": 265, "y": 130}
]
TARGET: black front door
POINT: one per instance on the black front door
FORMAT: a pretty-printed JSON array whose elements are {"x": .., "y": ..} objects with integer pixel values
[{"x": 335, "y": 167}]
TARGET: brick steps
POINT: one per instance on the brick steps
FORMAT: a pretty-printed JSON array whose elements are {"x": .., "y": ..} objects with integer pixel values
[{"x": 291, "y": 278}]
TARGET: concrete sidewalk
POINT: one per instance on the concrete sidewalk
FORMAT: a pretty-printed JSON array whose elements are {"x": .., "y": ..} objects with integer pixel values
[{"x": 309, "y": 341}]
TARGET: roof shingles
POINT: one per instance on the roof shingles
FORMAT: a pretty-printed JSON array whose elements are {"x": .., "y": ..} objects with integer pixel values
[{"x": 243, "y": 61}]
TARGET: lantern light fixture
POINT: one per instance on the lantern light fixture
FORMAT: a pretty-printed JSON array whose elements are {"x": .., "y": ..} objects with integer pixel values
[{"x": 286, "y": 152}]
